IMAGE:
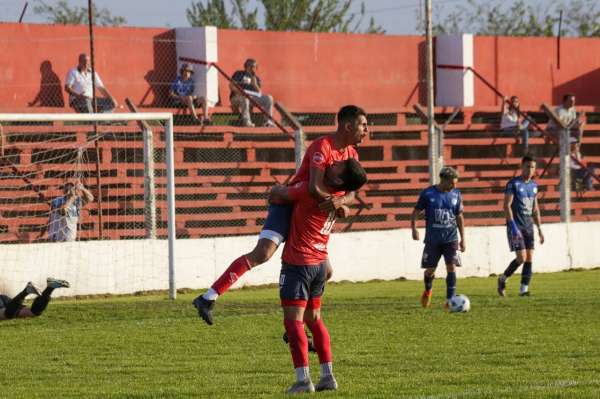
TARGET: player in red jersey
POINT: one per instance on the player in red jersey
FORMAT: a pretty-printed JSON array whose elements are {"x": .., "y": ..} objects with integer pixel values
[
  {"x": 323, "y": 152},
  {"x": 304, "y": 270}
]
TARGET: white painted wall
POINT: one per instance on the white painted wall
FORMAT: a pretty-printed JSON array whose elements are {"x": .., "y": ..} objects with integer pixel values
[
  {"x": 201, "y": 44},
  {"x": 119, "y": 267},
  {"x": 454, "y": 87}
]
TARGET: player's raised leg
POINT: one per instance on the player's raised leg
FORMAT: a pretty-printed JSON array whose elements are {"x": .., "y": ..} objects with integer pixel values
[
  {"x": 41, "y": 302},
  {"x": 273, "y": 233},
  {"x": 12, "y": 306}
]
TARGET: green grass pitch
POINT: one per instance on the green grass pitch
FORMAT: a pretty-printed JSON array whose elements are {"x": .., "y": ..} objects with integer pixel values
[{"x": 385, "y": 345}]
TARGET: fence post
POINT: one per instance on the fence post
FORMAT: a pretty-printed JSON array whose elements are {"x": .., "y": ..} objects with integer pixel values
[
  {"x": 171, "y": 205},
  {"x": 565, "y": 177},
  {"x": 149, "y": 191},
  {"x": 433, "y": 144}
]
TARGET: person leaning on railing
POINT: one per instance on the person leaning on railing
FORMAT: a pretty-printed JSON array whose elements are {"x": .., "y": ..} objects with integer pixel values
[
  {"x": 568, "y": 116},
  {"x": 250, "y": 83}
]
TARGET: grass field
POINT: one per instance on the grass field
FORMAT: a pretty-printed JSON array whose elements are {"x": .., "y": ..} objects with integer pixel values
[{"x": 385, "y": 345}]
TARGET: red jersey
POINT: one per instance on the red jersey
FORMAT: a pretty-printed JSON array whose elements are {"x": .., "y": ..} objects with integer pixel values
[
  {"x": 321, "y": 154},
  {"x": 309, "y": 229}
]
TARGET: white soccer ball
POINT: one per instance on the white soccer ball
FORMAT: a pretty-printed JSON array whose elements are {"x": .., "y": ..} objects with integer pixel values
[{"x": 459, "y": 304}]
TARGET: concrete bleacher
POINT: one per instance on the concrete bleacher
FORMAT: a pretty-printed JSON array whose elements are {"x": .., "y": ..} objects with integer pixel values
[{"x": 224, "y": 171}]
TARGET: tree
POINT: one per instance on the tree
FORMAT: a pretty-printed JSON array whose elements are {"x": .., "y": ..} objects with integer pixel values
[
  {"x": 481, "y": 17},
  {"x": 62, "y": 13},
  {"x": 282, "y": 15}
]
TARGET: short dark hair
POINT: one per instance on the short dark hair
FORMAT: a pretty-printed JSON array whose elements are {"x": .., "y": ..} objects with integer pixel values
[
  {"x": 249, "y": 61},
  {"x": 354, "y": 175},
  {"x": 68, "y": 186},
  {"x": 349, "y": 113},
  {"x": 448, "y": 173},
  {"x": 527, "y": 158},
  {"x": 567, "y": 95}
]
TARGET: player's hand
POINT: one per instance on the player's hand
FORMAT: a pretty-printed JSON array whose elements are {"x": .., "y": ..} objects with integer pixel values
[
  {"x": 331, "y": 204},
  {"x": 541, "y": 236},
  {"x": 274, "y": 194},
  {"x": 342, "y": 212},
  {"x": 462, "y": 246},
  {"x": 514, "y": 230},
  {"x": 415, "y": 234}
]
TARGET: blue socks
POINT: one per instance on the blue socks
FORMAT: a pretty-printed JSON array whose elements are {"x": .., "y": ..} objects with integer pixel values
[
  {"x": 514, "y": 265},
  {"x": 428, "y": 282},
  {"x": 526, "y": 273},
  {"x": 450, "y": 284}
]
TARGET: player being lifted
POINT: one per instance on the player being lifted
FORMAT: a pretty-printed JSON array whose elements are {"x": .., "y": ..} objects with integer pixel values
[
  {"x": 304, "y": 270},
  {"x": 352, "y": 129},
  {"x": 11, "y": 308},
  {"x": 522, "y": 211},
  {"x": 442, "y": 205}
]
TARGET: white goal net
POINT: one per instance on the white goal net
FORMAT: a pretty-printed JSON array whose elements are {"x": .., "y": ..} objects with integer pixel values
[{"x": 88, "y": 198}]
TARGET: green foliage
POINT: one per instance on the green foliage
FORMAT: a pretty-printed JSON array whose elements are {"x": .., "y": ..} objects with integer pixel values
[
  {"x": 63, "y": 13},
  {"x": 384, "y": 344},
  {"x": 484, "y": 17},
  {"x": 282, "y": 15}
]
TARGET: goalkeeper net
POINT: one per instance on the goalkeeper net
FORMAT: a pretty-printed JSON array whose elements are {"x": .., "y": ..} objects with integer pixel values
[{"x": 87, "y": 198}]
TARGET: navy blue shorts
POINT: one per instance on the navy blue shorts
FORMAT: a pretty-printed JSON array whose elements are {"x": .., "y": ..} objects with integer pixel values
[
  {"x": 519, "y": 244},
  {"x": 277, "y": 223},
  {"x": 433, "y": 252},
  {"x": 299, "y": 285}
]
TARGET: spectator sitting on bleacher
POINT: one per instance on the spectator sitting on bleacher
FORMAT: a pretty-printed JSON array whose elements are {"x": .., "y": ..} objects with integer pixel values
[
  {"x": 512, "y": 122},
  {"x": 568, "y": 116},
  {"x": 79, "y": 86},
  {"x": 182, "y": 93},
  {"x": 582, "y": 176},
  {"x": 250, "y": 83}
]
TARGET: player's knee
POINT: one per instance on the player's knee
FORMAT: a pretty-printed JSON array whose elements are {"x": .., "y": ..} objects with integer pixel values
[
  {"x": 520, "y": 259},
  {"x": 261, "y": 253}
]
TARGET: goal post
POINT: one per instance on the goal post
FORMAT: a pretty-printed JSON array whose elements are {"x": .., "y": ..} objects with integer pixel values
[{"x": 43, "y": 157}]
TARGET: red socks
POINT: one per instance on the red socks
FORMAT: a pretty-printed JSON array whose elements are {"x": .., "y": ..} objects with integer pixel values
[
  {"x": 231, "y": 275},
  {"x": 298, "y": 342},
  {"x": 321, "y": 341}
]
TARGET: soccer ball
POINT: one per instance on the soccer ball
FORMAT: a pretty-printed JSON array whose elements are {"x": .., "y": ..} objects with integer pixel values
[{"x": 459, "y": 303}]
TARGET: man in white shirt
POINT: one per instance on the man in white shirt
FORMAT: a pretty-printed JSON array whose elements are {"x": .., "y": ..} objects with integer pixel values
[{"x": 79, "y": 86}]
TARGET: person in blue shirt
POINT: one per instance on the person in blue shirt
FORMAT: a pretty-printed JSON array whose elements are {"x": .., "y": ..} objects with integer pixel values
[
  {"x": 522, "y": 211},
  {"x": 443, "y": 209},
  {"x": 66, "y": 210},
  {"x": 182, "y": 93}
]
